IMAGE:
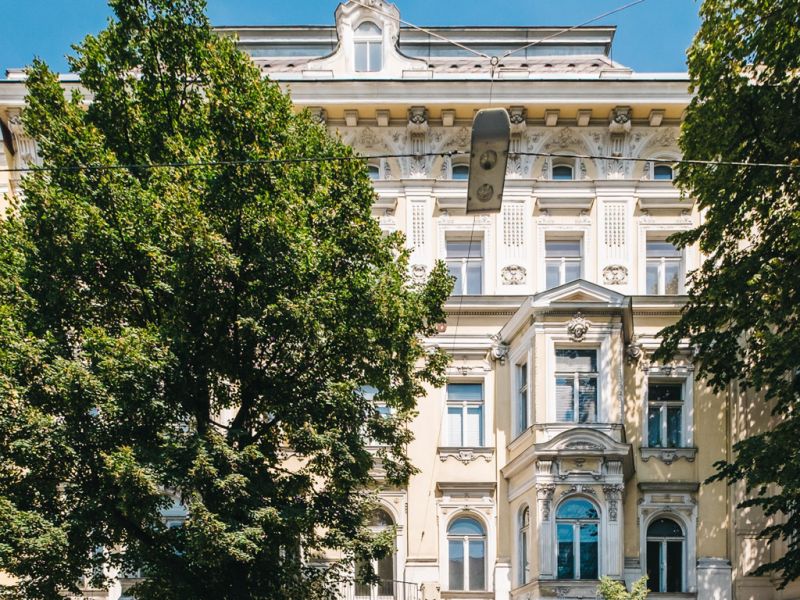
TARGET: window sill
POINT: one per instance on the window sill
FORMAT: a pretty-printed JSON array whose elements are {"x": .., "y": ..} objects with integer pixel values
[
  {"x": 668, "y": 455},
  {"x": 466, "y": 455},
  {"x": 467, "y": 595},
  {"x": 672, "y": 595}
]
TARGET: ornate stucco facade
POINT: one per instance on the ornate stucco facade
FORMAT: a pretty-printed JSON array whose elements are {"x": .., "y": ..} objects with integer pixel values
[{"x": 558, "y": 452}]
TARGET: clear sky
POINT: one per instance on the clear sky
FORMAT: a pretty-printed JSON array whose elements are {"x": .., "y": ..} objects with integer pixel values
[{"x": 651, "y": 36}]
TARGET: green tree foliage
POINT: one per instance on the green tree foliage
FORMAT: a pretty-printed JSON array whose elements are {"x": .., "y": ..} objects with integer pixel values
[
  {"x": 742, "y": 316},
  {"x": 609, "y": 589},
  {"x": 196, "y": 337}
]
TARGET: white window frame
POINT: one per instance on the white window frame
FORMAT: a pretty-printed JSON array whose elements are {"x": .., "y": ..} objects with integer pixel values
[
  {"x": 468, "y": 260},
  {"x": 545, "y": 231},
  {"x": 681, "y": 507},
  {"x": 459, "y": 228},
  {"x": 521, "y": 420},
  {"x": 601, "y": 533},
  {"x": 368, "y": 39},
  {"x": 662, "y": 566},
  {"x": 683, "y": 375},
  {"x": 464, "y": 405},
  {"x": 374, "y": 587},
  {"x": 663, "y": 413},
  {"x": 523, "y": 546},
  {"x": 465, "y": 539},
  {"x": 660, "y": 230},
  {"x": 662, "y": 270},
  {"x": 564, "y": 260},
  {"x": 576, "y": 386},
  {"x": 453, "y": 165},
  {"x": 572, "y": 163}
]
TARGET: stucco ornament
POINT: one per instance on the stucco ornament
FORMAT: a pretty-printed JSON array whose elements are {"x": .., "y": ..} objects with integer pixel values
[
  {"x": 615, "y": 275},
  {"x": 578, "y": 327},
  {"x": 499, "y": 349},
  {"x": 419, "y": 274},
  {"x": 634, "y": 350},
  {"x": 513, "y": 275}
]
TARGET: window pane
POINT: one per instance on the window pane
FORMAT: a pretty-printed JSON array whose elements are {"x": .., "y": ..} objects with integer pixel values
[
  {"x": 454, "y": 425},
  {"x": 652, "y": 277},
  {"x": 572, "y": 271},
  {"x": 469, "y": 392},
  {"x": 374, "y": 56},
  {"x": 362, "y": 589},
  {"x": 474, "y": 278},
  {"x": 454, "y": 270},
  {"x": 562, "y": 172},
  {"x": 566, "y": 556},
  {"x": 588, "y": 540},
  {"x": 473, "y": 432},
  {"x": 674, "y": 567},
  {"x": 565, "y": 399},
  {"x": 386, "y": 573},
  {"x": 522, "y": 398},
  {"x": 463, "y": 249},
  {"x": 553, "y": 274},
  {"x": 559, "y": 248},
  {"x": 654, "y": 566},
  {"x": 361, "y": 56},
  {"x": 587, "y": 400},
  {"x": 368, "y": 28},
  {"x": 572, "y": 360},
  {"x": 461, "y": 172},
  {"x": 465, "y": 526},
  {"x": 659, "y": 248},
  {"x": 672, "y": 275},
  {"x": 577, "y": 509},
  {"x": 374, "y": 171},
  {"x": 456, "y": 564},
  {"x": 654, "y": 427},
  {"x": 662, "y": 172},
  {"x": 477, "y": 580},
  {"x": 664, "y": 528},
  {"x": 674, "y": 426},
  {"x": 665, "y": 392}
]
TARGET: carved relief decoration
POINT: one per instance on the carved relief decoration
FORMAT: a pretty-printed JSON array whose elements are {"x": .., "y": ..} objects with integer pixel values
[
  {"x": 615, "y": 275},
  {"x": 419, "y": 274},
  {"x": 513, "y": 275},
  {"x": 578, "y": 327}
]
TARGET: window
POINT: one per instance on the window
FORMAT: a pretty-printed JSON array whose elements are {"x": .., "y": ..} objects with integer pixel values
[
  {"x": 464, "y": 415},
  {"x": 465, "y": 263},
  {"x": 563, "y": 173},
  {"x": 662, "y": 172},
  {"x": 664, "y": 556},
  {"x": 382, "y": 567},
  {"x": 664, "y": 415},
  {"x": 576, "y": 385},
  {"x": 664, "y": 267},
  {"x": 562, "y": 261},
  {"x": 522, "y": 399},
  {"x": 374, "y": 171},
  {"x": 524, "y": 529},
  {"x": 466, "y": 553},
  {"x": 460, "y": 172},
  {"x": 368, "y": 41},
  {"x": 577, "y": 524},
  {"x": 369, "y": 393}
]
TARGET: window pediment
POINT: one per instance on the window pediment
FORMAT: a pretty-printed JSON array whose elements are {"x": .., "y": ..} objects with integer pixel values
[{"x": 582, "y": 441}]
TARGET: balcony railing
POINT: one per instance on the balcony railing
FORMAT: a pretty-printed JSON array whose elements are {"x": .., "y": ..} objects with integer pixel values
[{"x": 385, "y": 589}]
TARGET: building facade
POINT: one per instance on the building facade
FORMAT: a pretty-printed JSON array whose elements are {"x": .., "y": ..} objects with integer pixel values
[{"x": 558, "y": 452}]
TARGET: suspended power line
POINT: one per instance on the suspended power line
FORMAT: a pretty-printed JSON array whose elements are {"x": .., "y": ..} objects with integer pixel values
[{"x": 319, "y": 159}]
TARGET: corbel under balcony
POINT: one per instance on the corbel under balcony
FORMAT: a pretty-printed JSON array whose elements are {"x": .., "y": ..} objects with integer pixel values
[
  {"x": 577, "y": 195},
  {"x": 668, "y": 455}
]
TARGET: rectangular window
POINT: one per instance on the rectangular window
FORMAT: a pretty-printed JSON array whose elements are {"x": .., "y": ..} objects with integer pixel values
[
  {"x": 465, "y": 263},
  {"x": 665, "y": 415},
  {"x": 522, "y": 399},
  {"x": 464, "y": 415},
  {"x": 563, "y": 261},
  {"x": 664, "y": 268},
  {"x": 576, "y": 385}
]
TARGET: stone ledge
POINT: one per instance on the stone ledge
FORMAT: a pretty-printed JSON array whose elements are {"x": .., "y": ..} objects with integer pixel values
[{"x": 668, "y": 455}]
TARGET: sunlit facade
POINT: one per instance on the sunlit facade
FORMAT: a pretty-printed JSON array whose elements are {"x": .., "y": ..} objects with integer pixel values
[{"x": 558, "y": 452}]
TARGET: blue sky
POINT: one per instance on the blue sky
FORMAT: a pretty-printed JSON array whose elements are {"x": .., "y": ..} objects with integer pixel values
[{"x": 651, "y": 36}]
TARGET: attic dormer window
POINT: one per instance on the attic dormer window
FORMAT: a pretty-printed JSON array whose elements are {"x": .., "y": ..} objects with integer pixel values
[{"x": 368, "y": 42}]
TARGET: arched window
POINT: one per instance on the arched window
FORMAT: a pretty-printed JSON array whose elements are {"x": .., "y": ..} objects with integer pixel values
[
  {"x": 578, "y": 531},
  {"x": 665, "y": 556},
  {"x": 524, "y": 529},
  {"x": 374, "y": 171},
  {"x": 563, "y": 173},
  {"x": 466, "y": 552},
  {"x": 662, "y": 172},
  {"x": 380, "y": 520},
  {"x": 460, "y": 172},
  {"x": 368, "y": 44}
]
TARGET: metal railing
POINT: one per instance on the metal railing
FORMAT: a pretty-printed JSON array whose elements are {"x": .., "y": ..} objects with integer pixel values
[{"x": 385, "y": 589}]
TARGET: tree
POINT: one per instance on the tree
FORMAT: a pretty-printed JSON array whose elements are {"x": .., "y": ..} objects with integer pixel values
[
  {"x": 199, "y": 337},
  {"x": 742, "y": 315},
  {"x": 610, "y": 589}
]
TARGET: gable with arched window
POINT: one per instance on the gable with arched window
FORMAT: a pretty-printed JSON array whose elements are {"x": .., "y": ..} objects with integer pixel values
[
  {"x": 578, "y": 539},
  {"x": 368, "y": 47},
  {"x": 466, "y": 555}
]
